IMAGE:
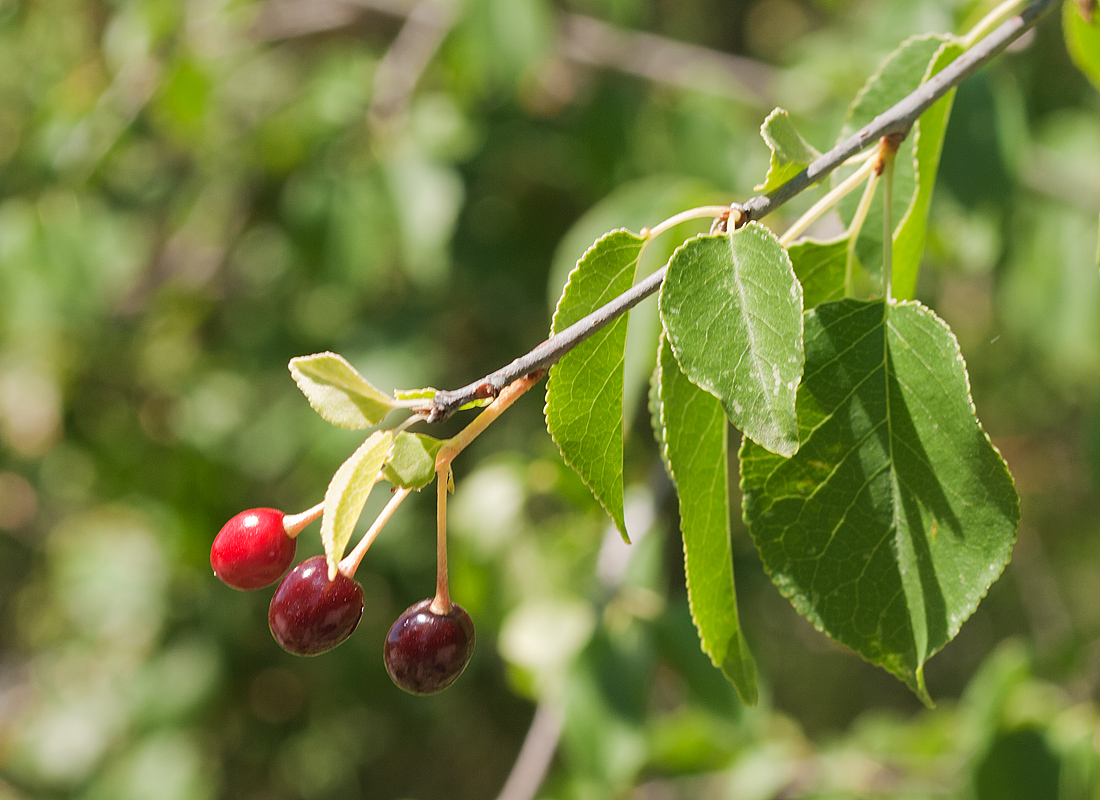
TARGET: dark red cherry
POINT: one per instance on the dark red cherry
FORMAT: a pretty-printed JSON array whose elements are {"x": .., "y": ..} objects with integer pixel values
[
  {"x": 252, "y": 550},
  {"x": 309, "y": 614},
  {"x": 425, "y": 651}
]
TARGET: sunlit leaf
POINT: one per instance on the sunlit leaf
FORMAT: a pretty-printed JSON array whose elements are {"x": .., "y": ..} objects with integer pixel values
[
  {"x": 696, "y": 438},
  {"x": 348, "y": 492},
  {"x": 338, "y": 392},
  {"x": 584, "y": 395},
  {"x": 1083, "y": 38},
  {"x": 790, "y": 152},
  {"x": 732, "y": 311},
  {"x": 889, "y": 525},
  {"x": 411, "y": 465}
]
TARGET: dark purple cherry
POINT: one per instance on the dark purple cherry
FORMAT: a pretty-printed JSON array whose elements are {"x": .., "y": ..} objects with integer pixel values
[
  {"x": 252, "y": 550},
  {"x": 425, "y": 651},
  {"x": 309, "y": 614}
]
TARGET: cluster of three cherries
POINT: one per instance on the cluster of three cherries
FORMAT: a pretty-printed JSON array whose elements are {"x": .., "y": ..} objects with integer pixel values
[{"x": 426, "y": 649}]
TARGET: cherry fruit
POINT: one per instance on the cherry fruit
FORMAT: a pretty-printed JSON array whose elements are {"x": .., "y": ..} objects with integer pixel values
[
  {"x": 425, "y": 651},
  {"x": 253, "y": 549},
  {"x": 309, "y": 614}
]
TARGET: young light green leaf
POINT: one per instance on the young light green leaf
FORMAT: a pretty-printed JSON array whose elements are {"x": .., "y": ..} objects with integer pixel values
[
  {"x": 411, "y": 465},
  {"x": 338, "y": 392},
  {"x": 928, "y": 134},
  {"x": 901, "y": 73},
  {"x": 427, "y": 393},
  {"x": 820, "y": 267},
  {"x": 790, "y": 152},
  {"x": 584, "y": 394},
  {"x": 732, "y": 311},
  {"x": 889, "y": 525},
  {"x": 348, "y": 492},
  {"x": 1083, "y": 38},
  {"x": 696, "y": 441}
]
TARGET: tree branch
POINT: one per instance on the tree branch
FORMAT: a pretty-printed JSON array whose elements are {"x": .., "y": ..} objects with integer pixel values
[{"x": 895, "y": 121}]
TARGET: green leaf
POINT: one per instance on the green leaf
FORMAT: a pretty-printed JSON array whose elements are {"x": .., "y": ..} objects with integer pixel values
[
  {"x": 348, "y": 492},
  {"x": 1083, "y": 38},
  {"x": 790, "y": 152},
  {"x": 732, "y": 311},
  {"x": 584, "y": 394},
  {"x": 820, "y": 269},
  {"x": 338, "y": 392},
  {"x": 427, "y": 393},
  {"x": 696, "y": 436},
  {"x": 928, "y": 134},
  {"x": 411, "y": 465},
  {"x": 897, "y": 514},
  {"x": 902, "y": 72}
]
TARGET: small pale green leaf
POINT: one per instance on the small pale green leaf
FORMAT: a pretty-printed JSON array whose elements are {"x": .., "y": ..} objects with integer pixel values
[
  {"x": 338, "y": 392},
  {"x": 928, "y": 134},
  {"x": 584, "y": 394},
  {"x": 897, "y": 76},
  {"x": 348, "y": 492},
  {"x": 897, "y": 514},
  {"x": 1083, "y": 38},
  {"x": 411, "y": 465},
  {"x": 790, "y": 152},
  {"x": 428, "y": 393},
  {"x": 732, "y": 311},
  {"x": 820, "y": 269},
  {"x": 696, "y": 444}
]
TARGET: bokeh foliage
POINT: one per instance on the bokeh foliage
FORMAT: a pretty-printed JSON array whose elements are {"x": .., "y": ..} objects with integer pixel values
[{"x": 193, "y": 193}]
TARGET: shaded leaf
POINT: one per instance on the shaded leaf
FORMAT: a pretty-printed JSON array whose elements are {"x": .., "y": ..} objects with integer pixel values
[
  {"x": 584, "y": 394},
  {"x": 732, "y": 311},
  {"x": 348, "y": 492},
  {"x": 889, "y": 526},
  {"x": 820, "y": 268},
  {"x": 1083, "y": 38},
  {"x": 411, "y": 465},
  {"x": 337, "y": 391},
  {"x": 790, "y": 152},
  {"x": 696, "y": 436}
]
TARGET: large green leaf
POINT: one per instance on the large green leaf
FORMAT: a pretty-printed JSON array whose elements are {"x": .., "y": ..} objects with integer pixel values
[
  {"x": 901, "y": 73},
  {"x": 889, "y": 526},
  {"x": 348, "y": 492},
  {"x": 927, "y": 136},
  {"x": 820, "y": 269},
  {"x": 584, "y": 394},
  {"x": 732, "y": 311},
  {"x": 696, "y": 441},
  {"x": 338, "y": 392},
  {"x": 790, "y": 152},
  {"x": 1083, "y": 38}
]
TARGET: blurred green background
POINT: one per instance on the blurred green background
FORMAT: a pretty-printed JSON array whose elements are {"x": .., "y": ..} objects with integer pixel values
[{"x": 192, "y": 193}]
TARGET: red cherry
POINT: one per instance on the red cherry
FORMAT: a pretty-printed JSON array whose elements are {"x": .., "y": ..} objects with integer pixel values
[
  {"x": 309, "y": 614},
  {"x": 252, "y": 550},
  {"x": 426, "y": 652}
]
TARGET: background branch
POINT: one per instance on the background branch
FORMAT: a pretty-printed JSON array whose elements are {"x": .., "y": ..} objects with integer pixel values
[{"x": 897, "y": 120}]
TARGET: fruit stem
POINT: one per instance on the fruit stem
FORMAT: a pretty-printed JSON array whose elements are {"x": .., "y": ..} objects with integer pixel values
[
  {"x": 703, "y": 212},
  {"x": 826, "y": 202},
  {"x": 294, "y": 524},
  {"x": 451, "y": 448},
  {"x": 350, "y": 563},
  {"x": 441, "y": 604}
]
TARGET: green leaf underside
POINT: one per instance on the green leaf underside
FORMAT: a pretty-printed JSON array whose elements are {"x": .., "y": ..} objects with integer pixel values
[
  {"x": 732, "y": 311},
  {"x": 584, "y": 394},
  {"x": 790, "y": 152},
  {"x": 338, "y": 392},
  {"x": 928, "y": 135},
  {"x": 1083, "y": 39},
  {"x": 902, "y": 72},
  {"x": 696, "y": 441},
  {"x": 820, "y": 267},
  {"x": 897, "y": 514},
  {"x": 411, "y": 465},
  {"x": 348, "y": 492}
]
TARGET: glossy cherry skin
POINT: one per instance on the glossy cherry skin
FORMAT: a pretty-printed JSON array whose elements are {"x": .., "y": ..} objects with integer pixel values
[
  {"x": 426, "y": 652},
  {"x": 309, "y": 614},
  {"x": 252, "y": 550}
]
